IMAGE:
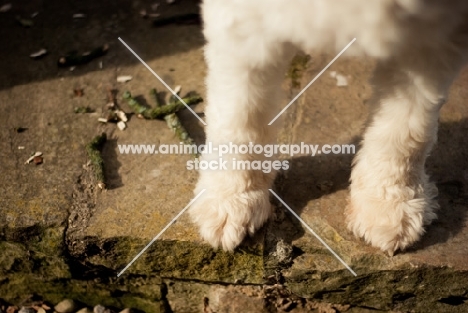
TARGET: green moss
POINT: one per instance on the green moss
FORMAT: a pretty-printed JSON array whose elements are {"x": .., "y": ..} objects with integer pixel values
[
  {"x": 186, "y": 260},
  {"x": 417, "y": 289},
  {"x": 83, "y": 109},
  {"x": 38, "y": 265},
  {"x": 298, "y": 65},
  {"x": 112, "y": 294},
  {"x": 41, "y": 253},
  {"x": 93, "y": 149},
  {"x": 13, "y": 257},
  {"x": 148, "y": 305}
]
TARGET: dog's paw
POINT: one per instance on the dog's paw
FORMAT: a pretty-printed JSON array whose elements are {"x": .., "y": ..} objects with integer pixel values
[
  {"x": 393, "y": 218},
  {"x": 224, "y": 217}
]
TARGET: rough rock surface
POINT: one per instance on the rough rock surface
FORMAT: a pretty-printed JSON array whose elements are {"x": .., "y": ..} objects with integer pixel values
[{"x": 60, "y": 235}]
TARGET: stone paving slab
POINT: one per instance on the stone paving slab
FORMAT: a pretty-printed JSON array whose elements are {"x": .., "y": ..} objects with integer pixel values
[
  {"x": 434, "y": 269},
  {"x": 61, "y": 234},
  {"x": 336, "y": 115}
]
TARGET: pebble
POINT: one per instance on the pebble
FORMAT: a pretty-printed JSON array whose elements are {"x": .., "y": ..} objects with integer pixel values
[
  {"x": 121, "y": 125},
  {"x": 38, "y": 54},
  {"x": 11, "y": 309},
  {"x": 79, "y": 15},
  {"x": 66, "y": 306},
  {"x": 121, "y": 115},
  {"x": 341, "y": 80},
  {"x": 5, "y": 8},
  {"x": 38, "y": 160},
  {"x": 124, "y": 78},
  {"x": 99, "y": 309}
]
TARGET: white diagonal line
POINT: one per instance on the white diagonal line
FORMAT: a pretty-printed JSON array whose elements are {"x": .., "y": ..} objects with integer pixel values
[
  {"x": 162, "y": 81},
  {"x": 313, "y": 233},
  {"x": 160, "y": 233},
  {"x": 313, "y": 80}
]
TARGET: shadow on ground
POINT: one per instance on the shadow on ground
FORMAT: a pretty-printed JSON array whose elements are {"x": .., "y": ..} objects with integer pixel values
[
  {"x": 55, "y": 30},
  {"x": 310, "y": 178}
]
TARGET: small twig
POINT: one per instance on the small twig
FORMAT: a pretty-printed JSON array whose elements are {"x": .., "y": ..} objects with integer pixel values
[
  {"x": 93, "y": 150},
  {"x": 161, "y": 111},
  {"x": 111, "y": 97},
  {"x": 25, "y": 22},
  {"x": 155, "y": 96},
  {"x": 83, "y": 109},
  {"x": 173, "y": 122},
  {"x": 77, "y": 59},
  {"x": 181, "y": 19},
  {"x": 172, "y": 98}
]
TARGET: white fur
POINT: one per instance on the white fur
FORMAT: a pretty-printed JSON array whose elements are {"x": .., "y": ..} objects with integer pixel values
[{"x": 420, "y": 46}]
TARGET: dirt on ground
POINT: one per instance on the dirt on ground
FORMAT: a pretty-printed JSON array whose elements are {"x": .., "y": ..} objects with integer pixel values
[{"x": 65, "y": 233}]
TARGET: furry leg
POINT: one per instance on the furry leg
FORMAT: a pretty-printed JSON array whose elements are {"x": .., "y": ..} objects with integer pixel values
[
  {"x": 391, "y": 196},
  {"x": 244, "y": 77}
]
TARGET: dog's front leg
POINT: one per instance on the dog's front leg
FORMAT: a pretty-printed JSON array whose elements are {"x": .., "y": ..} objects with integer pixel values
[
  {"x": 392, "y": 198},
  {"x": 243, "y": 89}
]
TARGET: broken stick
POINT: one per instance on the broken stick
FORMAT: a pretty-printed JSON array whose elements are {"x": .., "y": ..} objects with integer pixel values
[
  {"x": 93, "y": 150},
  {"x": 173, "y": 122},
  {"x": 161, "y": 111},
  {"x": 77, "y": 59}
]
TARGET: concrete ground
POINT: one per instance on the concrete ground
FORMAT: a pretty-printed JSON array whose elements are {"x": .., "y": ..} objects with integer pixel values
[{"x": 64, "y": 237}]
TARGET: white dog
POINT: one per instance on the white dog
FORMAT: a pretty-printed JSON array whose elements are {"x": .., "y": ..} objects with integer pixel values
[{"x": 420, "y": 46}]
